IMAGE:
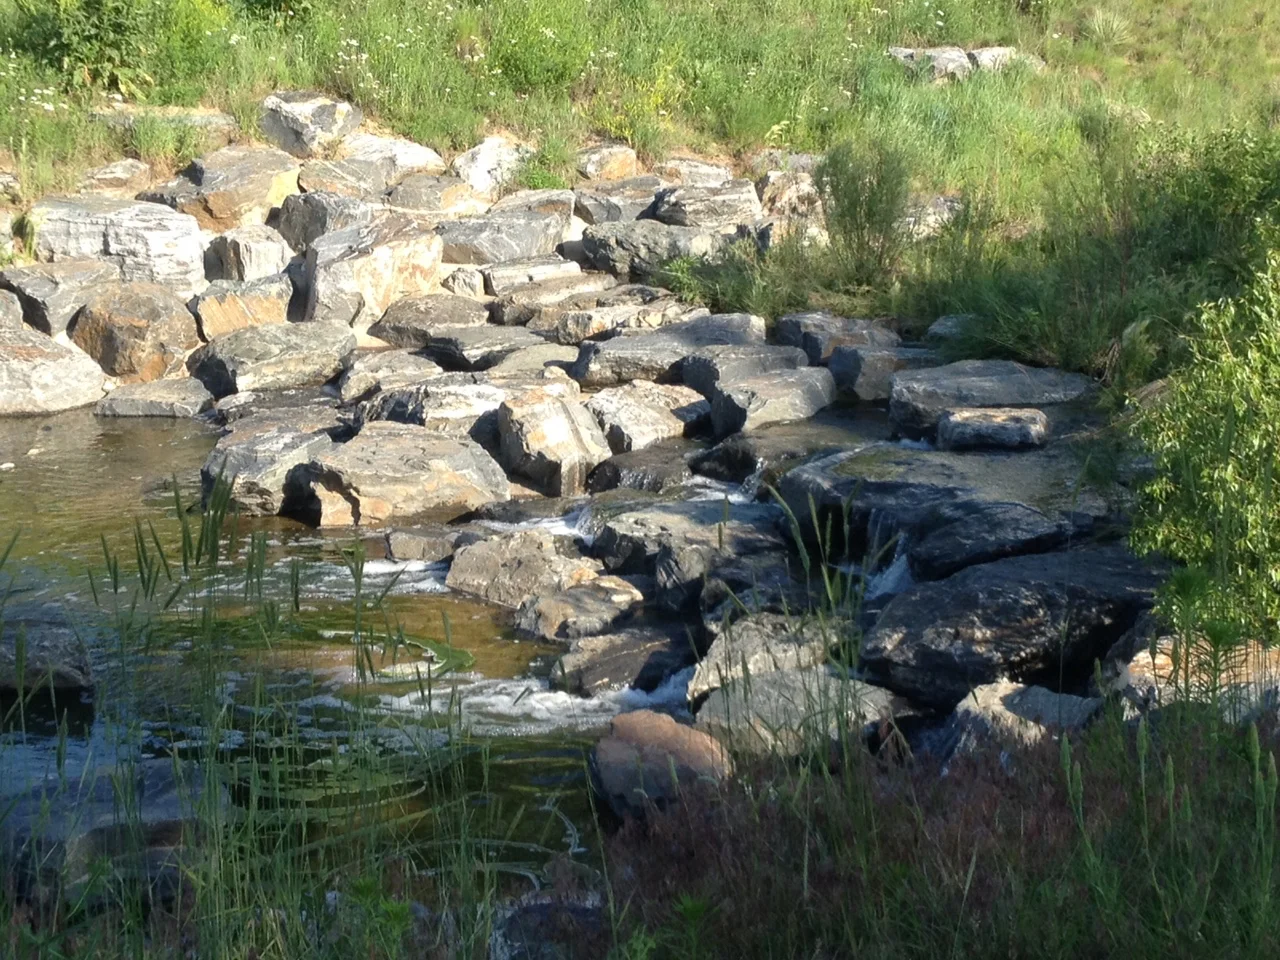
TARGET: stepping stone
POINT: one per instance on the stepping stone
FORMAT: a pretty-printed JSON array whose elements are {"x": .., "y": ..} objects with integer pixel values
[
  {"x": 819, "y": 334},
  {"x": 509, "y": 568},
  {"x": 661, "y": 355},
  {"x": 660, "y": 468},
  {"x": 584, "y": 610},
  {"x": 734, "y": 363},
  {"x": 992, "y": 428},
  {"x": 768, "y": 398},
  {"x": 182, "y": 397},
  {"x": 637, "y": 658}
]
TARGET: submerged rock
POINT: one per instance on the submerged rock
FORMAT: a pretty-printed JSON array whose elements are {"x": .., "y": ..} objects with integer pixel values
[{"x": 53, "y": 653}]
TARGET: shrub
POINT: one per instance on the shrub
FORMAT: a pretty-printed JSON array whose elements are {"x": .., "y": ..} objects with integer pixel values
[
  {"x": 95, "y": 43},
  {"x": 864, "y": 197}
]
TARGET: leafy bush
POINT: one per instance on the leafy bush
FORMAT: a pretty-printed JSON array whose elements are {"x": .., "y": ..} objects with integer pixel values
[
  {"x": 95, "y": 43},
  {"x": 864, "y": 197}
]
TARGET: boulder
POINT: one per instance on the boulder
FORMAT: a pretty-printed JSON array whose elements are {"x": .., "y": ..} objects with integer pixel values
[
  {"x": 519, "y": 304},
  {"x": 641, "y": 413},
  {"x": 659, "y": 468},
  {"x": 650, "y": 760},
  {"x": 11, "y": 312},
  {"x": 355, "y": 274},
  {"x": 819, "y": 334},
  {"x": 179, "y": 397},
  {"x": 720, "y": 207},
  {"x": 607, "y": 161},
  {"x": 867, "y": 372},
  {"x": 147, "y": 242},
  {"x": 306, "y": 217},
  {"x": 1005, "y": 715},
  {"x": 496, "y": 237},
  {"x": 660, "y": 356},
  {"x": 552, "y": 202},
  {"x": 640, "y": 248},
  {"x": 431, "y": 543},
  {"x": 53, "y": 651},
  {"x": 123, "y": 178},
  {"x": 692, "y": 172},
  {"x": 477, "y": 347},
  {"x": 436, "y": 197},
  {"x": 536, "y": 360},
  {"x": 613, "y": 201},
  {"x": 1034, "y": 619},
  {"x": 464, "y": 281},
  {"x": 490, "y": 164},
  {"x": 771, "y": 398},
  {"x": 789, "y": 195},
  {"x": 584, "y": 610},
  {"x": 938, "y": 64},
  {"x": 395, "y": 470},
  {"x": 764, "y": 643},
  {"x": 135, "y": 331},
  {"x": 230, "y": 305},
  {"x": 51, "y": 294},
  {"x": 920, "y": 397},
  {"x": 38, "y": 375},
  {"x": 305, "y": 123},
  {"x": 947, "y": 537},
  {"x": 350, "y": 178},
  {"x": 410, "y": 322},
  {"x": 248, "y": 253},
  {"x": 948, "y": 330},
  {"x": 987, "y": 427},
  {"x": 502, "y": 278},
  {"x": 384, "y": 370},
  {"x": 638, "y": 657},
  {"x": 552, "y": 440},
  {"x": 7, "y": 222},
  {"x": 232, "y": 187},
  {"x": 992, "y": 59},
  {"x": 396, "y": 157},
  {"x": 509, "y": 568},
  {"x": 735, "y": 363},
  {"x": 273, "y": 357},
  {"x": 568, "y": 326}
]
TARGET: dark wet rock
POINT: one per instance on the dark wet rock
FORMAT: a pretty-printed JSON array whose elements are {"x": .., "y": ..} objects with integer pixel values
[
  {"x": 181, "y": 397},
  {"x": 477, "y": 347},
  {"x": 248, "y": 253},
  {"x": 648, "y": 760},
  {"x": 410, "y": 322},
  {"x": 640, "y": 248},
  {"x": 818, "y": 334},
  {"x": 52, "y": 294},
  {"x": 612, "y": 201},
  {"x": 495, "y": 237},
  {"x": 230, "y": 305},
  {"x": 583, "y": 610},
  {"x": 867, "y": 372},
  {"x": 1034, "y": 619},
  {"x": 992, "y": 428},
  {"x": 920, "y": 397},
  {"x": 273, "y": 357},
  {"x": 384, "y": 370},
  {"x": 306, "y": 217},
  {"x": 433, "y": 543},
  {"x": 638, "y": 657},
  {"x": 767, "y": 398},
  {"x": 135, "y": 331},
  {"x": 502, "y": 278},
  {"x": 737, "y": 362},
  {"x": 712, "y": 207},
  {"x": 38, "y": 375},
  {"x": 231, "y": 187},
  {"x": 436, "y": 197},
  {"x": 508, "y": 569},
  {"x": 763, "y": 643},
  {"x": 52, "y": 650},
  {"x": 394, "y": 470},
  {"x": 949, "y": 537},
  {"x": 304, "y": 123},
  {"x": 546, "y": 928},
  {"x": 641, "y": 413},
  {"x": 660, "y": 356},
  {"x": 771, "y": 582},
  {"x": 656, "y": 469},
  {"x": 520, "y": 303},
  {"x": 552, "y": 440}
]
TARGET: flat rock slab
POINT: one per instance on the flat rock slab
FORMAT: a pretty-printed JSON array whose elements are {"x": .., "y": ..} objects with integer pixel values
[
  {"x": 640, "y": 248},
  {"x": 660, "y": 356},
  {"x": 551, "y": 439},
  {"x": 273, "y": 357},
  {"x": 642, "y": 413},
  {"x": 763, "y": 643},
  {"x": 818, "y": 334},
  {"x": 305, "y": 123},
  {"x": 616, "y": 201},
  {"x": 713, "y": 207},
  {"x": 230, "y": 305},
  {"x": 232, "y": 187},
  {"x": 477, "y": 347},
  {"x": 395, "y": 470},
  {"x": 535, "y": 360},
  {"x": 638, "y": 658},
  {"x": 584, "y": 610},
  {"x": 502, "y": 278},
  {"x": 182, "y": 397},
  {"x": 867, "y": 372},
  {"x": 509, "y": 569},
  {"x": 52, "y": 294},
  {"x": 1002, "y": 428},
  {"x": 570, "y": 326},
  {"x": 730, "y": 364},
  {"x": 1041, "y": 618},
  {"x": 384, "y": 370},
  {"x": 38, "y": 375},
  {"x": 430, "y": 543},
  {"x": 768, "y": 398},
  {"x": 920, "y": 397},
  {"x": 411, "y": 321}
]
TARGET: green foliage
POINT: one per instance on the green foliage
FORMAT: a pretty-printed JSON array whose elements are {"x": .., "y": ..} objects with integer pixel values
[
  {"x": 95, "y": 43},
  {"x": 864, "y": 197},
  {"x": 541, "y": 45}
]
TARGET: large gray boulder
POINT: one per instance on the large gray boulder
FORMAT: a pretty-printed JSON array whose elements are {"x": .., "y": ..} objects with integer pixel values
[
  {"x": 180, "y": 397},
  {"x": 819, "y": 334},
  {"x": 51, "y": 294},
  {"x": 394, "y": 470},
  {"x": 661, "y": 355},
  {"x": 248, "y": 253},
  {"x": 764, "y": 643},
  {"x": 436, "y": 198},
  {"x": 611, "y": 201},
  {"x": 587, "y": 609},
  {"x": 38, "y": 375},
  {"x": 731, "y": 364},
  {"x": 495, "y": 237},
  {"x": 552, "y": 440},
  {"x": 640, "y": 248},
  {"x": 305, "y": 123},
  {"x": 508, "y": 569},
  {"x": 273, "y": 357},
  {"x": 638, "y": 657},
  {"x": 771, "y": 398},
  {"x": 349, "y": 177},
  {"x": 230, "y": 305},
  {"x": 477, "y": 347},
  {"x": 1041, "y": 618},
  {"x": 384, "y": 370},
  {"x": 232, "y": 187},
  {"x": 867, "y": 372},
  {"x": 306, "y": 217},
  {"x": 520, "y": 303},
  {"x": 640, "y": 413},
  {"x": 135, "y": 331},
  {"x": 409, "y": 322},
  {"x": 660, "y": 468},
  {"x": 920, "y": 397},
  {"x": 720, "y": 208},
  {"x": 53, "y": 652}
]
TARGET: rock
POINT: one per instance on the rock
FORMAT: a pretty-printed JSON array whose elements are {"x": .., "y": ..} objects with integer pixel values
[
  {"x": 135, "y": 331},
  {"x": 53, "y": 652},
  {"x": 867, "y": 372},
  {"x": 584, "y": 610},
  {"x": 410, "y": 322},
  {"x": 180, "y": 397},
  {"x": 396, "y": 470},
  {"x": 771, "y": 398},
  {"x": 641, "y": 413},
  {"x": 230, "y": 305},
  {"x": 734, "y": 363},
  {"x": 545, "y": 927},
  {"x": 272, "y": 357},
  {"x": 355, "y": 274},
  {"x": 396, "y": 157},
  {"x": 1012, "y": 715},
  {"x": 147, "y": 242},
  {"x": 307, "y": 403},
  {"x": 639, "y": 658},
  {"x": 304, "y": 123},
  {"x": 465, "y": 282},
  {"x": 503, "y": 278},
  {"x": 519, "y": 304},
  {"x": 661, "y": 355},
  {"x": 265, "y": 454},
  {"x": 510, "y": 568},
  {"x": 946, "y": 330},
  {"x": 920, "y": 397},
  {"x": 350, "y": 178},
  {"x": 7, "y": 248},
  {"x": 306, "y": 217},
  {"x": 939, "y": 64},
  {"x": 599, "y": 322},
  {"x": 384, "y": 370},
  {"x": 123, "y": 178},
  {"x": 927, "y": 216},
  {"x": 232, "y": 187},
  {"x": 490, "y": 164},
  {"x": 477, "y": 347},
  {"x": 550, "y": 202},
  {"x": 790, "y": 712},
  {"x": 514, "y": 235},
  {"x": 790, "y": 195},
  {"x": 436, "y": 197},
  {"x": 51, "y": 294},
  {"x": 607, "y": 161},
  {"x": 430, "y": 544},
  {"x": 11, "y": 312},
  {"x": 771, "y": 582},
  {"x": 759, "y": 644},
  {"x": 1041, "y": 618},
  {"x": 553, "y": 441},
  {"x": 538, "y": 359},
  {"x": 694, "y": 173},
  {"x": 819, "y": 334},
  {"x": 655, "y": 469},
  {"x": 996, "y": 59},
  {"x": 649, "y": 759},
  {"x": 715, "y": 208},
  {"x": 615, "y": 200},
  {"x": 10, "y": 187},
  {"x": 951, "y": 536},
  {"x": 987, "y": 427},
  {"x": 679, "y": 543},
  {"x": 640, "y": 248},
  {"x": 38, "y": 375},
  {"x": 248, "y": 253}
]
